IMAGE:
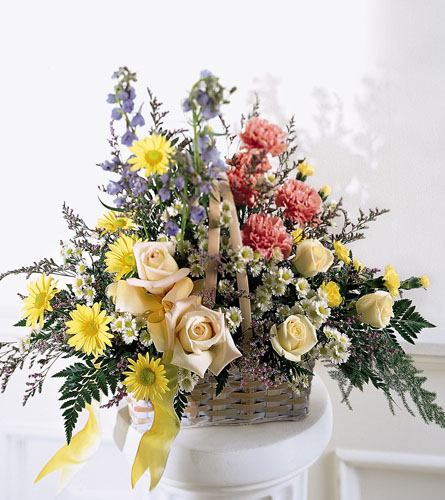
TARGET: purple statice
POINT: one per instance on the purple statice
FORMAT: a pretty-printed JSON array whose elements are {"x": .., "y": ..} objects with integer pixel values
[
  {"x": 116, "y": 114},
  {"x": 197, "y": 214},
  {"x": 164, "y": 194},
  {"x": 137, "y": 120},
  {"x": 179, "y": 183},
  {"x": 171, "y": 228},
  {"x": 128, "y": 138}
]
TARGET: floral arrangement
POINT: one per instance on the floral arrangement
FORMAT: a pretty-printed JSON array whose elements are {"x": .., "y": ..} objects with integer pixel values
[{"x": 133, "y": 304}]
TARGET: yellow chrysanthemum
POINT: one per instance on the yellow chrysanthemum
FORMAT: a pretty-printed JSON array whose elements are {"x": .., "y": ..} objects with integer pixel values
[
  {"x": 305, "y": 169},
  {"x": 342, "y": 252},
  {"x": 424, "y": 281},
  {"x": 147, "y": 378},
  {"x": 37, "y": 302},
  {"x": 89, "y": 329},
  {"x": 358, "y": 266},
  {"x": 152, "y": 153},
  {"x": 120, "y": 258},
  {"x": 297, "y": 235},
  {"x": 112, "y": 223},
  {"x": 333, "y": 292},
  {"x": 391, "y": 280}
]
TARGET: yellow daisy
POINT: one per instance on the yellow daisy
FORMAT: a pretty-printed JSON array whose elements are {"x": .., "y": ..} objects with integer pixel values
[
  {"x": 152, "y": 153},
  {"x": 89, "y": 329},
  {"x": 147, "y": 378},
  {"x": 120, "y": 258},
  {"x": 40, "y": 293},
  {"x": 112, "y": 223}
]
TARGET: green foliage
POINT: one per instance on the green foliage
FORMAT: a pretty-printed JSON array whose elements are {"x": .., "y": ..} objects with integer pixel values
[
  {"x": 407, "y": 321},
  {"x": 22, "y": 322},
  {"x": 84, "y": 382},
  {"x": 180, "y": 402},
  {"x": 221, "y": 380}
]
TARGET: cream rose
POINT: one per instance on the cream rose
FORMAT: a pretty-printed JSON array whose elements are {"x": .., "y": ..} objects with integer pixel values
[
  {"x": 294, "y": 337},
  {"x": 199, "y": 337},
  {"x": 375, "y": 309},
  {"x": 157, "y": 269},
  {"x": 312, "y": 258}
]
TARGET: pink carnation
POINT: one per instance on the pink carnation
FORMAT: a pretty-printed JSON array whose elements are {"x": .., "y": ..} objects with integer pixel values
[
  {"x": 264, "y": 234},
  {"x": 261, "y": 136},
  {"x": 301, "y": 201}
]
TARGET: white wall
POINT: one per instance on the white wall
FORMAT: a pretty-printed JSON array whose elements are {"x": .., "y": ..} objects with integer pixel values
[{"x": 364, "y": 80}]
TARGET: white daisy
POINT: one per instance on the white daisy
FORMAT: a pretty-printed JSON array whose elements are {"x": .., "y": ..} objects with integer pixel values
[
  {"x": 302, "y": 287},
  {"x": 233, "y": 317},
  {"x": 187, "y": 380},
  {"x": 129, "y": 335},
  {"x": 145, "y": 338}
]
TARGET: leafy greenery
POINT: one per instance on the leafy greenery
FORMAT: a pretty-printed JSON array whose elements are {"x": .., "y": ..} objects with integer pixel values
[
  {"x": 407, "y": 321},
  {"x": 180, "y": 402}
]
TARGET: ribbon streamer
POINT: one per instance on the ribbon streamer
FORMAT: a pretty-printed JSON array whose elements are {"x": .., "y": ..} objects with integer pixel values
[
  {"x": 71, "y": 458},
  {"x": 154, "y": 446}
]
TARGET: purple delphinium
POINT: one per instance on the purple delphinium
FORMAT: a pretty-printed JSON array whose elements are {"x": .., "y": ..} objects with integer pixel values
[
  {"x": 171, "y": 228},
  {"x": 128, "y": 138},
  {"x": 179, "y": 183},
  {"x": 116, "y": 114},
  {"x": 165, "y": 179},
  {"x": 205, "y": 187},
  {"x": 137, "y": 120},
  {"x": 197, "y": 214},
  {"x": 164, "y": 194},
  {"x": 114, "y": 188},
  {"x": 111, "y": 98},
  {"x": 138, "y": 185}
]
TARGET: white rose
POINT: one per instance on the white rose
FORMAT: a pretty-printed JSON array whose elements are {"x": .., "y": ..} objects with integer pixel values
[
  {"x": 375, "y": 309},
  {"x": 199, "y": 337},
  {"x": 311, "y": 258},
  {"x": 294, "y": 337},
  {"x": 157, "y": 269}
]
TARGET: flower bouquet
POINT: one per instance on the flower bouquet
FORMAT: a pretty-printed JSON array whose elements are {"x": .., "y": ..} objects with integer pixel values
[{"x": 210, "y": 288}]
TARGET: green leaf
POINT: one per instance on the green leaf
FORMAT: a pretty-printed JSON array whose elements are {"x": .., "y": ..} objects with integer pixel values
[
  {"x": 115, "y": 209},
  {"x": 102, "y": 382},
  {"x": 22, "y": 322},
  {"x": 221, "y": 380}
]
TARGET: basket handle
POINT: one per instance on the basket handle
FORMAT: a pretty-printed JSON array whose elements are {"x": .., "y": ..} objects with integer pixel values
[{"x": 222, "y": 189}]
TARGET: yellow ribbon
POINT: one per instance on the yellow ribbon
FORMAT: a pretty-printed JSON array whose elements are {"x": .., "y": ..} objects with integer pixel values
[
  {"x": 154, "y": 446},
  {"x": 70, "y": 458}
]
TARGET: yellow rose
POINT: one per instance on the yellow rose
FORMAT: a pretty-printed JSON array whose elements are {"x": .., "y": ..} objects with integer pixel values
[
  {"x": 375, "y": 309},
  {"x": 294, "y": 337},
  {"x": 199, "y": 337},
  {"x": 157, "y": 269},
  {"x": 333, "y": 292},
  {"x": 342, "y": 252},
  {"x": 391, "y": 280},
  {"x": 305, "y": 169},
  {"x": 311, "y": 257}
]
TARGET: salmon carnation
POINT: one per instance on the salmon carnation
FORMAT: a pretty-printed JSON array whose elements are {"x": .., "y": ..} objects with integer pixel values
[
  {"x": 301, "y": 201},
  {"x": 243, "y": 176},
  {"x": 262, "y": 136},
  {"x": 264, "y": 234}
]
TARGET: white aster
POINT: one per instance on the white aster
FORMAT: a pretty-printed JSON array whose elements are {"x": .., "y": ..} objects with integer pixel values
[
  {"x": 187, "y": 380},
  {"x": 302, "y": 287},
  {"x": 145, "y": 338},
  {"x": 234, "y": 317}
]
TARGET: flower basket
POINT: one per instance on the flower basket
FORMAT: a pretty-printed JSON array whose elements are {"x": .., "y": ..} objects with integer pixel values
[
  {"x": 209, "y": 290},
  {"x": 236, "y": 404}
]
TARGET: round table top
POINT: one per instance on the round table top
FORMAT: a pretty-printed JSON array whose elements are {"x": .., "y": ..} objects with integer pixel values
[{"x": 237, "y": 454}]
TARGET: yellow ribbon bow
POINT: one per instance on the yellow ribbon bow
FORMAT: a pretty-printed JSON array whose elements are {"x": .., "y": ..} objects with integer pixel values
[
  {"x": 154, "y": 446},
  {"x": 71, "y": 458}
]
